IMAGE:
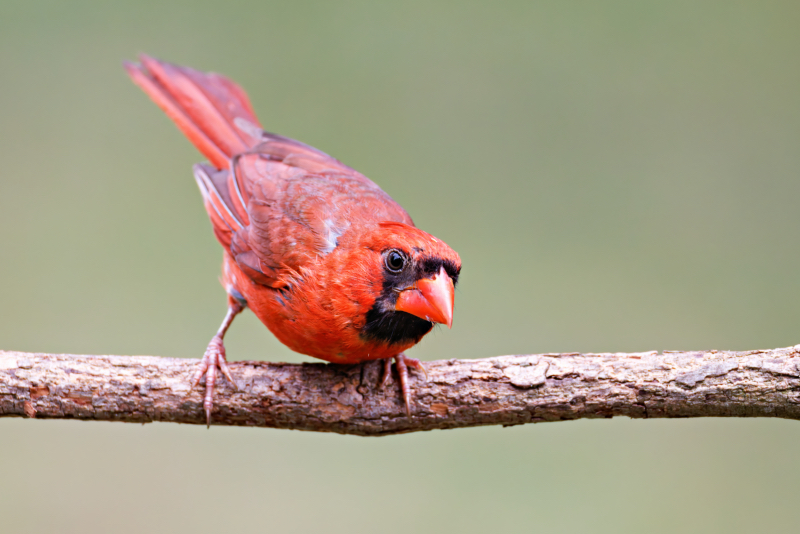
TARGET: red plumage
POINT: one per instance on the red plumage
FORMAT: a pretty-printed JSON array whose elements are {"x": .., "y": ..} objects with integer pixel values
[{"x": 330, "y": 263}]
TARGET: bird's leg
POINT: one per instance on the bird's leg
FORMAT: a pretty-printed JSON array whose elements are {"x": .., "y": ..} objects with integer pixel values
[
  {"x": 214, "y": 358},
  {"x": 403, "y": 363},
  {"x": 387, "y": 372}
]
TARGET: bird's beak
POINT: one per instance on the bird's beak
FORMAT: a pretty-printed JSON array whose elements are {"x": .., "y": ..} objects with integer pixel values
[{"x": 431, "y": 299}]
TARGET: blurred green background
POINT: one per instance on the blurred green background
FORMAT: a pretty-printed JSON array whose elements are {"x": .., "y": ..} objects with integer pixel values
[{"x": 617, "y": 176}]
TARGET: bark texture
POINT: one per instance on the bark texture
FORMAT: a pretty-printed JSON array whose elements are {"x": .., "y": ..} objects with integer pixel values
[{"x": 505, "y": 390}]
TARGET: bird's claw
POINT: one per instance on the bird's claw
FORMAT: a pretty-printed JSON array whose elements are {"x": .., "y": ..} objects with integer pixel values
[
  {"x": 213, "y": 360},
  {"x": 403, "y": 363},
  {"x": 417, "y": 365}
]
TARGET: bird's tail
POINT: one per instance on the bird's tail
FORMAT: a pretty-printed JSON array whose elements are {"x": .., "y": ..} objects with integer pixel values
[{"x": 212, "y": 111}]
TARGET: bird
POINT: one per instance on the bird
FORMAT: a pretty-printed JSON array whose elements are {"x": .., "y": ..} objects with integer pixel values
[{"x": 330, "y": 263}]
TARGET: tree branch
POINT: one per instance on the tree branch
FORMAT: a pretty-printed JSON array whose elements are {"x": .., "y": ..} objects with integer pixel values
[{"x": 506, "y": 390}]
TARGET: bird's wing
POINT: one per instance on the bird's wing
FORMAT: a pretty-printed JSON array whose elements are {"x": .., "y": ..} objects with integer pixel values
[
  {"x": 275, "y": 203},
  {"x": 299, "y": 202}
]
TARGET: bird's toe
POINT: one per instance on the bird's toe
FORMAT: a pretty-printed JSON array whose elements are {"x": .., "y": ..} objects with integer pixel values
[{"x": 213, "y": 361}]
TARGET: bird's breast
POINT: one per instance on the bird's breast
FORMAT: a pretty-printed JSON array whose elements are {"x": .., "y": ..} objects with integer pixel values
[{"x": 314, "y": 316}]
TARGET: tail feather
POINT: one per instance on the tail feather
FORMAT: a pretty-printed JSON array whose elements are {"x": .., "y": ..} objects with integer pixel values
[{"x": 205, "y": 107}]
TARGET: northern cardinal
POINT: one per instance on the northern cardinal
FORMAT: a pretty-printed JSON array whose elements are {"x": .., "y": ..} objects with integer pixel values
[{"x": 330, "y": 263}]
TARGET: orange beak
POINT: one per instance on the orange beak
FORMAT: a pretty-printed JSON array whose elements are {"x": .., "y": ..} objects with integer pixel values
[{"x": 431, "y": 299}]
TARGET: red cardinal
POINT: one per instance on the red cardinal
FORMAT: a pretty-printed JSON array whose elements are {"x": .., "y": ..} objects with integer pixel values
[{"x": 330, "y": 263}]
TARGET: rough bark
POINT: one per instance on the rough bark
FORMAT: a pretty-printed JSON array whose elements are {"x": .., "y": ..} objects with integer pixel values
[{"x": 506, "y": 390}]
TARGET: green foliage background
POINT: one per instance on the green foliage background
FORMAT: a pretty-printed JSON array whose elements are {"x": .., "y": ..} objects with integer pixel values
[{"x": 617, "y": 176}]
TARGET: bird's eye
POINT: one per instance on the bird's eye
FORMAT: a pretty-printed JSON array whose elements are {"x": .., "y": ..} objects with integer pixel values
[{"x": 395, "y": 261}]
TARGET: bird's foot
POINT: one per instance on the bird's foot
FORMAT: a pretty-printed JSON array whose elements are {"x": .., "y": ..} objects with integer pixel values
[
  {"x": 403, "y": 363},
  {"x": 213, "y": 361}
]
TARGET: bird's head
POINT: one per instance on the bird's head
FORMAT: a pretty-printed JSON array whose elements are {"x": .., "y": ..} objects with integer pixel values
[{"x": 414, "y": 275}]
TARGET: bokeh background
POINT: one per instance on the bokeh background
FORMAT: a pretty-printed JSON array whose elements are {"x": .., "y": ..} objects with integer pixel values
[{"x": 617, "y": 176}]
